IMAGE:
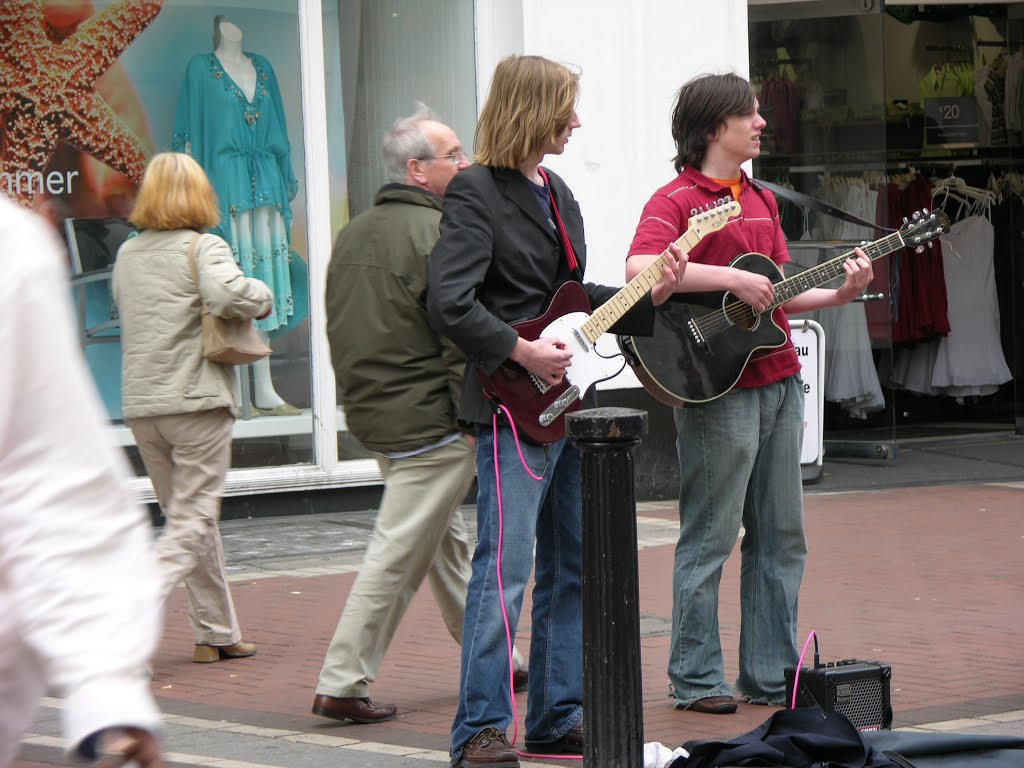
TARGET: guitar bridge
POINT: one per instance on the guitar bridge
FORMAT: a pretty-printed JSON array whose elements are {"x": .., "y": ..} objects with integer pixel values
[
  {"x": 570, "y": 396},
  {"x": 695, "y": 335}
]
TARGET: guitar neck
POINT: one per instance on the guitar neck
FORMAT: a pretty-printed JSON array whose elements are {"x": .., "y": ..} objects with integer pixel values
[
  {"x": 611, "y": 311},
  {"x": 833, "y": 268}
]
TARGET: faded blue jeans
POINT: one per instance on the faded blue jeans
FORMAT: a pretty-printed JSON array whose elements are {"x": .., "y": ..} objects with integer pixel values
[
  {"x": 548, "y": 512},
  {"x": 739, "y": 462}
]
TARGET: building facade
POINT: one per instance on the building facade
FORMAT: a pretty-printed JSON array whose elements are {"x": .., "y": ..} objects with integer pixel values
[{"x": 859, "y": 98}]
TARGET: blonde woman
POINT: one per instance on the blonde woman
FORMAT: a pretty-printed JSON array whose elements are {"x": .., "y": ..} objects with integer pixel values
[
  {"x": 511, "y": 234},
  {"x": 179, "y": 406}
]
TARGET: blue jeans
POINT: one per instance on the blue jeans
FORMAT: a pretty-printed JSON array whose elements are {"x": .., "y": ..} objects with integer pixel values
[
  {"x": 739, "y": 461},
  {"x": 550, "y": 513}
]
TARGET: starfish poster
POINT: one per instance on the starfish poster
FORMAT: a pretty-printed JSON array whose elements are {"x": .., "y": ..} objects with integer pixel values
[
  {"x": 53, "y": 57},
  {"x": 90, "y": 88}
]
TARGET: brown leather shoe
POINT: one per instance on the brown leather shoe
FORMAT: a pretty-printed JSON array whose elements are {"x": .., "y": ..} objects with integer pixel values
[
  {"x": 490, "y": 749},
  {"x": 570, "y": 744},
  {"x": 714, "y": 705},
  {"x": 520, "y": 680},
  {"x": 354, "y": 708},
  {"x": 205, "y": 654}
]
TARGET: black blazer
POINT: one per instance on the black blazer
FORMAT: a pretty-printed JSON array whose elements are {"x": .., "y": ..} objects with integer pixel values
[{"x": 498, "y": 261}]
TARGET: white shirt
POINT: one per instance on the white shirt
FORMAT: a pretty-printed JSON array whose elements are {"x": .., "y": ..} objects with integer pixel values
[{"x": 79, "y": 585}]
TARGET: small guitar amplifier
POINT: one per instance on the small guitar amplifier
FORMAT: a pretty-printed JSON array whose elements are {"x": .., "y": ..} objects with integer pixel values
[{"x": 859, "y": 690}]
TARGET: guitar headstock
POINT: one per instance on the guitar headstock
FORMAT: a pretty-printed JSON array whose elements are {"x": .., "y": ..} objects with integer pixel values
[
  {"x": 714, "y": 217},
  {"x": 923, "y": 227}
]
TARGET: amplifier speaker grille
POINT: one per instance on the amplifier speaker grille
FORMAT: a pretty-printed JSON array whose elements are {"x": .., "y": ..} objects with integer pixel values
[{"x": 859, "y": 690}]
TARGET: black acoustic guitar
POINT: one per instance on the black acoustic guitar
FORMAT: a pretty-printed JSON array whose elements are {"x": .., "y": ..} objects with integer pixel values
[{"x": 703, "y": 341}]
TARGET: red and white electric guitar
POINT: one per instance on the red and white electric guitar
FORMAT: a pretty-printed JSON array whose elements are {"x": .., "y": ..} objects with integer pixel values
[{"x": 538, "y": 408}]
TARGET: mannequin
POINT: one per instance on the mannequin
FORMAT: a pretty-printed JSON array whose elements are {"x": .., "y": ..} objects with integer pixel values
[
  {"x": 229, "y": 53},
  {"x": 231, "y": 119}
]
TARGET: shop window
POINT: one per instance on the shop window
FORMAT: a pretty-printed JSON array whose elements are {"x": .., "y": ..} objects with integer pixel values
[
  {"x": 381, "y": 58},
  {"x": 164, "y": 76},
  {"x": 885, "y": 110}
]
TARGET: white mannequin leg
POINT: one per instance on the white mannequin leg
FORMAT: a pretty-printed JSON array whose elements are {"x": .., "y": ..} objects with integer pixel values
[{"x": 264, "y": 396}]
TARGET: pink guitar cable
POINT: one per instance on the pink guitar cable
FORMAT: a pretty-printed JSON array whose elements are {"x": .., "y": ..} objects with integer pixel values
[{"x": 501, "y": 589}]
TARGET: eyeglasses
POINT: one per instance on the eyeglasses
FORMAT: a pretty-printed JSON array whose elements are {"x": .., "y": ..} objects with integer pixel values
[{"x": 454, "y": 157}]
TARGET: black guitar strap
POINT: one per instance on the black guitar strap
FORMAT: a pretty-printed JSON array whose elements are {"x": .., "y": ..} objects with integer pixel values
[{"x": 806, "y": 201}]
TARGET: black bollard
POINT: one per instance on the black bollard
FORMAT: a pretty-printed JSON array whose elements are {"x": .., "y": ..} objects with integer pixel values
[{"x": 613, "y": 716}]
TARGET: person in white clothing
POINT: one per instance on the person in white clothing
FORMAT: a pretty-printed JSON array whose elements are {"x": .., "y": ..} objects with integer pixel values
[{"x": 79, "y": 613}]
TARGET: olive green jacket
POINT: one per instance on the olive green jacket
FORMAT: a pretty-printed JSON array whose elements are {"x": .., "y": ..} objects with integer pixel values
[{"x": 400, "y": 382}]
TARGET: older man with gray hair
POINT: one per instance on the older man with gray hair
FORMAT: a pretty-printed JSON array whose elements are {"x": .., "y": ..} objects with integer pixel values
[{"x": 401, "y": 384}]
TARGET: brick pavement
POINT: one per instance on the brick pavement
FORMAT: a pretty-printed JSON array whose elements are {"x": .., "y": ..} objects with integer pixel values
[{"x": 928, "y": 579}]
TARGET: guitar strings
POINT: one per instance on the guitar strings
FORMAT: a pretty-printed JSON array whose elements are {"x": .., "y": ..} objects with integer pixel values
[{"x": 741, "y": 313}]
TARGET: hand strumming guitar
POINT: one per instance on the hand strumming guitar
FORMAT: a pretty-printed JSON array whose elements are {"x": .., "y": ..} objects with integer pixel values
[{"x": 547, "y": 358}]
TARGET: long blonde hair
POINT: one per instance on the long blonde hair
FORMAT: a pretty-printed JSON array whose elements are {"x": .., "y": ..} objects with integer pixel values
[
  {"x": 175, "y": 194},
  {"x": 531, "y": 100}
]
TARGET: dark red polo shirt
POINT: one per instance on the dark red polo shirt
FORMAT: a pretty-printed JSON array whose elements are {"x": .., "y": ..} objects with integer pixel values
[{"x": 757, "y": 230}]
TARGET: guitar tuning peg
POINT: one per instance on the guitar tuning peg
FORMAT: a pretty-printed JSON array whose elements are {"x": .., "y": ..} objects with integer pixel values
[
  {"x": 693, "y": 211},
  {"x": 906, "y": 220},
  {"x": 915, "y": 215},
  {"x": 919, "y": 249},
  {"x": 924, "y": 211}
]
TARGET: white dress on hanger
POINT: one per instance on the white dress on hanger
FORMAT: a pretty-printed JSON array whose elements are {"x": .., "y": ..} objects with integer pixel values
[
  {"x": 969, "y": 360},
  {"x": 851, "y": 379}
]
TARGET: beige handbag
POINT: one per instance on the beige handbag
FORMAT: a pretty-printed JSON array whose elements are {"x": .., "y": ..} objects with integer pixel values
[{"x": 229, "y": 342}]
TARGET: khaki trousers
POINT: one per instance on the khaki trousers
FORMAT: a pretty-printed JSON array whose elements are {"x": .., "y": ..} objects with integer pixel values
[
  {"x": 419, "y": 533},
  {"x": 187, "y": 457}
]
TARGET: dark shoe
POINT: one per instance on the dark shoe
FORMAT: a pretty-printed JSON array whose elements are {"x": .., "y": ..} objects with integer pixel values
[
  {"x": 354, "y": 708},
  {"x": 205, "y": 654},
  {"x": 570, "y": 744},
  {"x": 714, "y": 705},
  {"x": 520, "y": 680},
  {"x": 489, "y": 748}
]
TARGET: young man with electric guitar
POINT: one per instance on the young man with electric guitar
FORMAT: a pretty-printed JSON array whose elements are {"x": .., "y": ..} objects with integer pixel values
[
  {"x": 739, "y": 449},
  {"x": 511, "y": 236}
]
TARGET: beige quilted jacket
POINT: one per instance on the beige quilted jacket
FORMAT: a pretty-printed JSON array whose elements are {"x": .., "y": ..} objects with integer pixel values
[{"x": 163, "y": 369}]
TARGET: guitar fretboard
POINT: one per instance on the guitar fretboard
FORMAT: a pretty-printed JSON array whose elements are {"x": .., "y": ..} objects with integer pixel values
[
  {"x": 833, "y": 268},
  {"x": 609, "y": 313}
]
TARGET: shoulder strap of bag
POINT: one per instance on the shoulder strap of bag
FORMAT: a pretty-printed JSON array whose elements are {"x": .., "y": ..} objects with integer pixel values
[
  {"x": 192, "y": 247},
  {"x": 806, "y": 201}
]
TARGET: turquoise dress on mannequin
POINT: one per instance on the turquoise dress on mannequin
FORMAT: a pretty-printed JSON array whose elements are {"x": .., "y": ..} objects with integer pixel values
[{"x": 243, "y": 147}]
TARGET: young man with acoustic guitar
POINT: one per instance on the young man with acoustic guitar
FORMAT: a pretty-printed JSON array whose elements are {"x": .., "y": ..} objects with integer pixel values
[{"x": 739, "y": 454}]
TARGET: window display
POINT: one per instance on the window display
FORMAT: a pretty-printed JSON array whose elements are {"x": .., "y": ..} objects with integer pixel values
[
  {"x": 94, "y": 88},
  {"x": 231, "y": 119},
  {"x": 883, "y": 112}
]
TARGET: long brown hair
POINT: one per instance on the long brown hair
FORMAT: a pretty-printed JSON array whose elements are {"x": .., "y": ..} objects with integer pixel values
[{"x": 531, "y": 100}]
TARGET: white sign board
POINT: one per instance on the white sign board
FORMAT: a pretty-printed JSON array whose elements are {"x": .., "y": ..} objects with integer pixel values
[{"x": 807, "y": 339}]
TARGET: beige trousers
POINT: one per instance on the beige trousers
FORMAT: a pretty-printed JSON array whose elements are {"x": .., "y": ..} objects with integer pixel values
[
  {"x": 187, "y": 457},
  {"x": 419, "y": 533}
]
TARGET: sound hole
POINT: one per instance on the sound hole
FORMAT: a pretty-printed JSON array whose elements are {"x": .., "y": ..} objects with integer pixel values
[{"x": 741, "y": 315}]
